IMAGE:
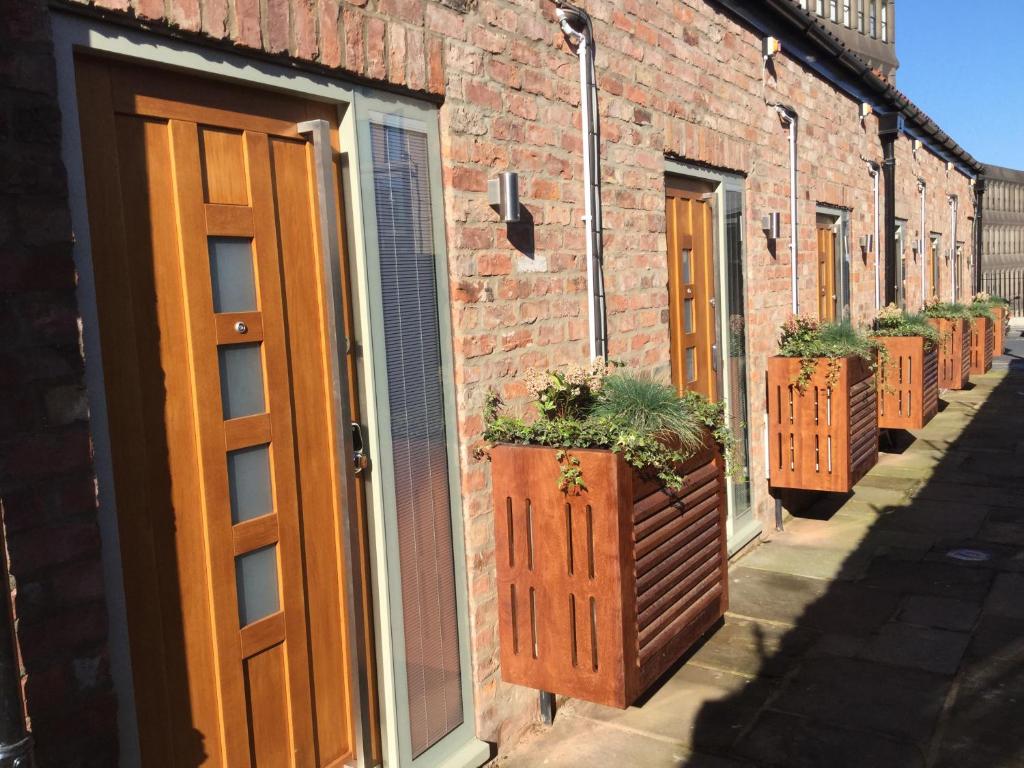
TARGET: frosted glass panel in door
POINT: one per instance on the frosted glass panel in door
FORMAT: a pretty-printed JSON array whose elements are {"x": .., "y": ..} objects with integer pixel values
[{"x": 231, "y": 274}]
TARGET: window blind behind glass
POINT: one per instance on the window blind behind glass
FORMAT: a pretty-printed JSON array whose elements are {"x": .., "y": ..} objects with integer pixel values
[{"x": 416, "y": 399}]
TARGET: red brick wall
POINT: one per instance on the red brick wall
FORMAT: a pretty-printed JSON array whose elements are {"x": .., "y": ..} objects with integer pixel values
[
  {"x": 677, "y": 79},
  {"x": 47, "y": 487},
  {"x": 940, "y": 182}
]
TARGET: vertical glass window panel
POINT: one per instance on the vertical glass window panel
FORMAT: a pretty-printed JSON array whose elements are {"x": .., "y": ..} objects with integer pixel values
[
  {"x": 860, "y": 15},
  {"x": 241, "y": 380},
  {"x": 691, "y": 364},
  {"x": 885, "y": 20},
  {"x": 412, "y": 340},
  {"x": 833, "y": 10},
  {"x": 249, "y": 483},
  {"x": 688, "y": 316},
  {"x": 687, "y": 265},
  {"x": 820, "y": 5},
  {"x": 742, "y": 511},
  {"x": 256, "y": 583},
  {"x": 231, "y": 274},
  {"x": 846, "y": 13},
  {"x": 871, "y": 18}
]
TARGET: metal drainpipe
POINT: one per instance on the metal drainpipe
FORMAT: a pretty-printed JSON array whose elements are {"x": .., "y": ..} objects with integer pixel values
[
  {"x": 789, "y": 116},
  {"x": 577, "y": 27},
  {"x": 952, "y": 249},
  {"x": 874, "y": 169},
  {"x": 921, "y": 187},
  {"x": 979, "y": 235}
]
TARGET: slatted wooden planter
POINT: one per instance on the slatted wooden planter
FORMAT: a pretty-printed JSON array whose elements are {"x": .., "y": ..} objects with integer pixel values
[
  {"x": 908, "y": 383},
  {"x": 825, "y": 438},
  {"x": 599, "y": 593},
  {"x": 954, "y": 352},
  {"x": 1002, "y": 319},
  {"x": 983, "y": 343}
]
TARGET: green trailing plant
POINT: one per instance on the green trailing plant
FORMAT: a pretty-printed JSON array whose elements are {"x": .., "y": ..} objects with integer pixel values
[
  {"x": 811, "y": 341},
  {"x": 893, "y": 321},
  {"x": 646, "y": 421}
]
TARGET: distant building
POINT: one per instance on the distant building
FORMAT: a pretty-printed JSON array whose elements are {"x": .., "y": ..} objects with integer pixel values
[
  {"x": 866, "y": 27},
  {"x": 1002, "y": 219}
]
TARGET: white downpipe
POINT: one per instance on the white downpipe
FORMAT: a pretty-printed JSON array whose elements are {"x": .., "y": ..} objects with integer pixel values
[
  {"x": 953, "y": 266},
  {"x": 877, "y": 244},
  {"x": 789, "y": 117},
  {"x": 922, "y": 244},
  {"x": 591, "y": 214}
]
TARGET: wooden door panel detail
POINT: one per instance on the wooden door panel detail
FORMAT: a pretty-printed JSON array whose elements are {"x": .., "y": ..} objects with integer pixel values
[
  {"x": 691, "y": 291},
  {"x": 238, "y": 617},
  {"x": 826, "y": 274}
]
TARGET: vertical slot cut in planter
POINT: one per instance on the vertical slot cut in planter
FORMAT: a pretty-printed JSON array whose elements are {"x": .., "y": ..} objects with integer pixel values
[
  {"x": 983, "y": 343},
  {"x": 600, "y": 593},
  {"x": 825, "y": 438},
  {"x": 1002, "y": 319},
  {"x": 908, "y": 384},
  {"x": 954, "y": 352}
]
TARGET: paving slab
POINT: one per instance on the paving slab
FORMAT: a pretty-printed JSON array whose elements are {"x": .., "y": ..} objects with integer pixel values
[
  {"x": 696, "y": 707},
  {"x": 785, "y": 741},
  {"x": 1007, "y": 596},
  {"x": 927, "y": 578},
  {"x": 904, "y": 703},
  {"x": 754, "y": 648},
  {"x": 939, "y": 612},
  {"x": 927, "y": 648}
]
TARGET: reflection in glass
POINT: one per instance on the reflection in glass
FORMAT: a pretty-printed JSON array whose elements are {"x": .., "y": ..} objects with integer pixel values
[
  {"x": 687, "y": 266},
  {"x": 688, "y": 316},
  {"x": 742, "y": 511},
  {"x": 691, "y": 364},
  {"x": 241, "y": 380},
  {"x": 256, "y": 582},
  {"x": 249, "y": 483},
  {"x": 231, "y": 274}
]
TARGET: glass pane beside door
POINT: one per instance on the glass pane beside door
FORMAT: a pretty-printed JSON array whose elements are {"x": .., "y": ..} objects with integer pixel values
[{"x": 412, "y": 343}]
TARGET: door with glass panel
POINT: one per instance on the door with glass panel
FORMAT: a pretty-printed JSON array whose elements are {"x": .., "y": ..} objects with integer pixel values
[
  {"x": 225, "y": 439},
  {"x": 826, "y": 270},
  {"x": 934, "y": 265},
  {"x": 689, "y": 235}
]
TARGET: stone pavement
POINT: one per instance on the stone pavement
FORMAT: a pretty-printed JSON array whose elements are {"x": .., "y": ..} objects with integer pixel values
[{"x": 855, "y": 638}]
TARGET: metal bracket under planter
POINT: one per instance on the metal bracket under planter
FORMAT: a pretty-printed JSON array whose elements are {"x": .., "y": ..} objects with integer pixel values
[
  {"x": 826, "y": 437},
  {"x": 954, "y": 352},
  {"x": 908, "y": 384},
  {"x": 600, "y": 593},
  {"x": 983, "y": 343}
]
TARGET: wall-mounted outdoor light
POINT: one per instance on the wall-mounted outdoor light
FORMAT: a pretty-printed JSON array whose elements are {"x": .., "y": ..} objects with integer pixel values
[
  {"x": 771, "y": 225},
  {"x": 867, "y": 244},
  {"x": 503, "y": 195},
  {"x": 865, "y": 110},
  {"x": 770, "y": 46}
]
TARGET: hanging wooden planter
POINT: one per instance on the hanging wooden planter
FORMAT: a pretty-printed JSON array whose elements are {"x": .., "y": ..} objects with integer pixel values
[
  {"x": 1002, "y": 320},
  {"x": 983, "y": 342},
  {"x": 908, "y": 384},
  {"x": 599, "y": 593},
  {"x": 826, "y": 437},
  {"x": 954, "y": 352}
]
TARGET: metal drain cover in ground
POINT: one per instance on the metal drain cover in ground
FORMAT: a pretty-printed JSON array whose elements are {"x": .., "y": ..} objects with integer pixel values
[{"x": 970, "y": 555}]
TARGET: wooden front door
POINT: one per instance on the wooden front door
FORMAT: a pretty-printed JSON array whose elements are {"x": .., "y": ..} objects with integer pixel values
[
  {"x": 689, "y": 233},
  {"x": 207, "y": 261},
  {"x": 934, "y": 261},
  {"x": 826, "y": 273}
]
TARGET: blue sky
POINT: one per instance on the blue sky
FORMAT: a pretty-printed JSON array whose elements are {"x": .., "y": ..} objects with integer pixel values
[{"x": 954, "y": 58}]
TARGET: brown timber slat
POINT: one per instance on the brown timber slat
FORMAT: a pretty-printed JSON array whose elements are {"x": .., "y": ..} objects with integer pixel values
[
  {"x": 808, "y": 450},
  {"x": 568, "y": 607},
  {"x": 954, "y": 352}
]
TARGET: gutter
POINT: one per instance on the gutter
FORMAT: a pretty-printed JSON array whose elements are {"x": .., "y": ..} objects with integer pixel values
[{"x": 887, "y": 95}]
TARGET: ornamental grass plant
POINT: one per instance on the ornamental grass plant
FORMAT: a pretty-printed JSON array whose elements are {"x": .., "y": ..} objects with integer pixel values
[
  {"x": 812, "y": 340},
  {"x": 893, "y": 321},
  {"x": 946, "y": 310},
  {"x": 602, "y": 406}
]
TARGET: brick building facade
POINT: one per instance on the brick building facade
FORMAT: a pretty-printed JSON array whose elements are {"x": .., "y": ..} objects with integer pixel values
[{"x": 683, "y": 88}]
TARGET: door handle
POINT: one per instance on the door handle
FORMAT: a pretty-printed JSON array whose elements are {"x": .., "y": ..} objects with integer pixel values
[{"x": 360, "y": 459}]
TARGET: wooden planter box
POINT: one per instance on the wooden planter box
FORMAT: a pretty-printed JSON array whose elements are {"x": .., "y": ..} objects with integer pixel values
[
  {"x": 1002, "y": 322},
  {"x": 824, "y": 439},
  {"x": 954, "y": 352},
  {"x": 908, "y": 384},
  {"x": 600, "y": 593},
  {"x": 983, "y": 343}
]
